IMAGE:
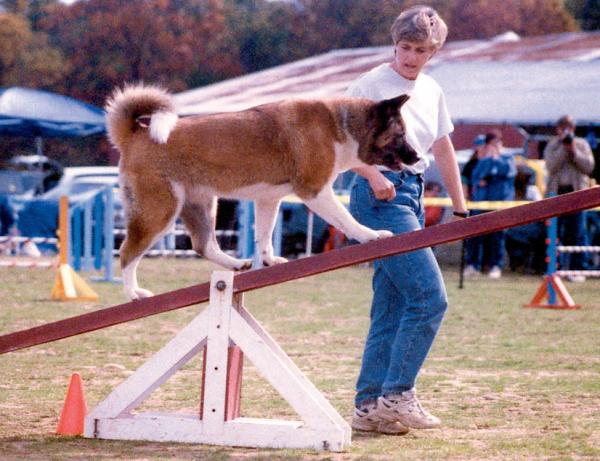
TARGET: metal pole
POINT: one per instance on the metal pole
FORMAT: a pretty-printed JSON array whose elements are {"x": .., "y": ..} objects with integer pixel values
[
  {"x": 309, "y": 232},
  {"x": 552, "y": 257},
  {"x": 63, "y": 229},
  {"x": 87, "y": 235},
  {"x": 109, "y": 237},
  {"x": 461, "y": 275}
]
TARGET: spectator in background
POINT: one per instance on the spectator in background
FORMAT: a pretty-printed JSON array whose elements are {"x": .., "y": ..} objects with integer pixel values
[
  {"x": 467, "y": 171},
  {"x": 593, "y": 142},
  {"x": 7, "y": 220},
  {"x": 471, "y": 245},
  {"x": 569, "y": 161},
  {"x": 7, "y": 215},
  {"x": 525, "y": 184},
  {"x": 433, "y": 214},
  {"x": 492, "y": 180},
  {"x": 526, "y": 245}
]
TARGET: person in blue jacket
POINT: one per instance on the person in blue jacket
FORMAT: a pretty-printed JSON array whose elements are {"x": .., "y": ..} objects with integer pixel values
[
  {"x": 7, "y": 221},
  {"x": 492, "y": 180},
  {"x": 7, "y": 215}
]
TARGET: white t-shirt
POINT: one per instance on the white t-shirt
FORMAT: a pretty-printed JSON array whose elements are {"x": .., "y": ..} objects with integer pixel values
[{"x": 425, "y": 114}]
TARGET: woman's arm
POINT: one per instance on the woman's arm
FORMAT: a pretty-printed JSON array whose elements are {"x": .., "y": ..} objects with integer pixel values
[
  {"x": 583, "y": 157},
  {"x": 445, "y": 158}
]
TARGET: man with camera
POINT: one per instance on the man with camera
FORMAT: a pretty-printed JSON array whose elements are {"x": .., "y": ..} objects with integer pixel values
[{"x": 569, "y": 162}]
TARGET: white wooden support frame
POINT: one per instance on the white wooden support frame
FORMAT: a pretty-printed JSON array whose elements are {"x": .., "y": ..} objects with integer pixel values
[{"x": 321, "y": 427}]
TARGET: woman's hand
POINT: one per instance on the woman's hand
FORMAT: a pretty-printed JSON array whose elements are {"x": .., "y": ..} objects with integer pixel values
[{"x": 382, "y": 187}]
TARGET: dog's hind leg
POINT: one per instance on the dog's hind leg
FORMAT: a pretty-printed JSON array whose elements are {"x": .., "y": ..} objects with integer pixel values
[
  {"x": 326, "y": 205},
  {"x": 150, "y": 215},
  {"x": 199, "y": 216},
  {"x": 266, "y": 215}
]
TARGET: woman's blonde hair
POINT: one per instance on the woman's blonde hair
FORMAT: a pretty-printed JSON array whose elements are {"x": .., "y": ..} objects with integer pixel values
[{"x": 420, "y": 24}]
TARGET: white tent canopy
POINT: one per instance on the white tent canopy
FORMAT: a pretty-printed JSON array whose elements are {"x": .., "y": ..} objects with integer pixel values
[{"x": 528, "y": 93}]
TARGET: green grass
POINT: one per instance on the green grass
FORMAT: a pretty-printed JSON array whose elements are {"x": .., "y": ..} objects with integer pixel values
[{"x": 508, "y": 382}]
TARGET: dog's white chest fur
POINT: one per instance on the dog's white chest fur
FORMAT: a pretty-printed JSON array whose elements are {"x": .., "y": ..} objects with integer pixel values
[
  {"x": 346, "y": 155},
  {"x": 260, "y": 191}
]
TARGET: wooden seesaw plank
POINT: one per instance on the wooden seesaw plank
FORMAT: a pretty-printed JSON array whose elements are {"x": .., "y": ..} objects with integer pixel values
[{"x": 246, "y": 281}]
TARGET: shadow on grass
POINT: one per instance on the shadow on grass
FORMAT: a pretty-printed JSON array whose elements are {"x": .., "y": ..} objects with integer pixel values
[{"x": 51, "y": 447}]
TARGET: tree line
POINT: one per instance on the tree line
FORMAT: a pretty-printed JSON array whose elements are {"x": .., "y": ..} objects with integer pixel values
[
  {"x": 86, "y": 48},
  {"x": 90, "y": 46}
]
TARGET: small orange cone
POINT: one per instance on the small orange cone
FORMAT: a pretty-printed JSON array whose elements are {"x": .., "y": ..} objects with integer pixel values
[
  {"x": 564, "y": 300},
  {"x": 74, "y": 409}
]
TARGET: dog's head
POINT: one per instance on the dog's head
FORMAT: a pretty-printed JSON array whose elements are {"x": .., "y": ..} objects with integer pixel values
[{"x": 388, "y": 146}]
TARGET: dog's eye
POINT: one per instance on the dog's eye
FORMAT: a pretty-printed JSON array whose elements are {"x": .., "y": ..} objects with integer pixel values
[{"x": 144, "y": 121}]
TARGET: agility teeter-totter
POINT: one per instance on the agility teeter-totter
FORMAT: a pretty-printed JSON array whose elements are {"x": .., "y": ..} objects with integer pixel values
[{"x": 226, "y": 322}]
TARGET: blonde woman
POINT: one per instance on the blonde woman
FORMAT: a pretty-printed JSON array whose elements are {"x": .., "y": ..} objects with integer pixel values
[{"x": 409, "y": 299}]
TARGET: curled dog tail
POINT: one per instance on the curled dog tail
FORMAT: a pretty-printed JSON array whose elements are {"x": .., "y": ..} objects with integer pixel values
[{"x": 139, "y": 107}]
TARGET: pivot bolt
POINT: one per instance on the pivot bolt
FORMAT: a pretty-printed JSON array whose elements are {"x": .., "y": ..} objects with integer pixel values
[{"x": 221, "y": 285}]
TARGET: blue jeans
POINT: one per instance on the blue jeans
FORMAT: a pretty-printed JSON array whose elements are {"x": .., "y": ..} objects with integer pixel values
[
  {"x": 409, "y": 297},
  {"x": 485, "y": 249},
  {"x": 572, "y": 232}
]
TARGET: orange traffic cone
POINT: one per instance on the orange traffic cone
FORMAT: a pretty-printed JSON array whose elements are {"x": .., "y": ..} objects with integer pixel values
[{"x": 74, "y": 409}]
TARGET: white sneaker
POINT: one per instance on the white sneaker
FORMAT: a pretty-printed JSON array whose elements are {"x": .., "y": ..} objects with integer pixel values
[
  {"x": 576, "y": 278},
  {"x": 470, "y": 272},
  {"x": 495, "y": 273},
  {"x": 366, "y": 419},
  {"x": 407, "y": 410}
]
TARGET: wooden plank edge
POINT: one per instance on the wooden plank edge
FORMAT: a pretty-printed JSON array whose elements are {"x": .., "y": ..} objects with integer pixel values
[{"x": 246, "y": 281}]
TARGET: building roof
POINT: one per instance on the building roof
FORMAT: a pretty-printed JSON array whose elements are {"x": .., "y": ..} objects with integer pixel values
[{"x": 506, "y": 79}]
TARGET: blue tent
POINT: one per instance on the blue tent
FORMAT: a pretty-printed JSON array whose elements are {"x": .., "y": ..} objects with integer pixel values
[
  {"x": 28, "y": 112},
  {"x": 39, "y": 114}
]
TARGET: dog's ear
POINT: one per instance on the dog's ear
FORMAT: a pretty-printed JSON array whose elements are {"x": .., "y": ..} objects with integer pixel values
[{"x": 390, "y": 108}]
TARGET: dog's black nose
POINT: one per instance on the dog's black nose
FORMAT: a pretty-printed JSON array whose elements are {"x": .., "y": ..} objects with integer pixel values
[{"x": 408, "y": 155}]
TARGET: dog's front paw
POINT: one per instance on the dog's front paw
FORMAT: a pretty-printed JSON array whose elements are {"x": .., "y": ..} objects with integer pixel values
[
  {"x": 243, "y": 265},
  {"x": 371, "y": 234},
  {"x": 384, "y": 234},
  {"x": 274, "y": 260},
  {"x": 139, "y": 293}
]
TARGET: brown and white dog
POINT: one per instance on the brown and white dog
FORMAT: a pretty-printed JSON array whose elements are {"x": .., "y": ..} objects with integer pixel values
[{"x": 172, "y": 166}]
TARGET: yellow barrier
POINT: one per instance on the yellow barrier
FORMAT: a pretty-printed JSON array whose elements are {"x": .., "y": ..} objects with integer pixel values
[
  {"x": 442, "y": 201},
  {"x": 68, "y": 286},
  {"x": 483, "y": 205},
  {"x": 435, "y": 201}
]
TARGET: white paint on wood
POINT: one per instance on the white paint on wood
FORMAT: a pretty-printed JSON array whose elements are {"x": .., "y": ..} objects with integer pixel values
[
  {"x": 281, "y": 377},
  {"x": 219, "y": 309},
  {"x": 293, "y": 368},
  {"x": 225, "y": 320},
  {"x": 241, "y": 432},
  {"x": 158, "y": 369}
]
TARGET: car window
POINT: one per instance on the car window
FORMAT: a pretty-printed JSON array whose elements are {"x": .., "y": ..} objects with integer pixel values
[
  {"x": 19, "y": 182},
  {"x": 86, "y": 184},
  {"x": 80, "y": 187}
]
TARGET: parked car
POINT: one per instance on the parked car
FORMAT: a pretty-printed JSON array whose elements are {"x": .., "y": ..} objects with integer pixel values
[
  {"x": 38, "y": 216},
  {"x": 20, "y": 183},
  {"x": 16, "y": 189},
  {"x": 47, "y": 171},
  {"x": 80, "y": 179}
]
